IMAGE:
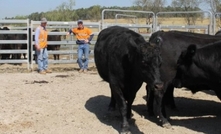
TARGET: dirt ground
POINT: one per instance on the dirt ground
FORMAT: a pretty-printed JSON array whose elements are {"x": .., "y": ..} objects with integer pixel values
[{"x": 67, "y": 102}]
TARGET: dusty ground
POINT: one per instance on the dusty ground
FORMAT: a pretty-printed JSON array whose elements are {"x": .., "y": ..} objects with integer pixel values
[{"x": 66, "y": 102}]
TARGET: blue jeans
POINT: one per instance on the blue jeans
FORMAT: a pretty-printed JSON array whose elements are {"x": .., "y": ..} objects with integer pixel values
[
  {"x": 83, "y": 50},
  {"x": 42, "y": 57}
]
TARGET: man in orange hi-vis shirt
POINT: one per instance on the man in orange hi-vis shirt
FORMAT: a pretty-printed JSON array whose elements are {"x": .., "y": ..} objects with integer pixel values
[
  {"x": 84, "y": 35},
  {"x": 41, "y": 36}
]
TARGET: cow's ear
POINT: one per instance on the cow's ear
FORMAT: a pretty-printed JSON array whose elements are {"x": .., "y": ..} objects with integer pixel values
[
  {"x": 191, "y": 50},
  {"x": 187, "y": 55}
]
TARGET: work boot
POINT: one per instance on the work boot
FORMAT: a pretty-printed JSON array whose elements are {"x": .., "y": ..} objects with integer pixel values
[
  {"x": 81, "y": 70},
  {"x": 48, "y": 71},
  {"x": 42, "y": 72},
  {"x": 85, "y": 70}
]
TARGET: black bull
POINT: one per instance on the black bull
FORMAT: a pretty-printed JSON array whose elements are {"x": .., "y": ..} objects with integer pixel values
[
  {"x": 54, "y": 47},
  {"x": 200, "y": 67},
  {"x": 173, "y": 43},
  {"x": 14, "y": 46},
  {"x": 125, "y": 60}
]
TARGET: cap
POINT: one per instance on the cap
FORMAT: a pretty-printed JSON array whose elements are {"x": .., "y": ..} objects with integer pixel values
[
  {"x": 43, "y": 20},
  {"x": 80, "y": 21}
]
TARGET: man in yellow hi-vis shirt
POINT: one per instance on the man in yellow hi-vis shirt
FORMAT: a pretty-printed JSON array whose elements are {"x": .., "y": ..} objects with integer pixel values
[
  {"x": 41, "y": 36},
  {"x": 84, "y": 35}
]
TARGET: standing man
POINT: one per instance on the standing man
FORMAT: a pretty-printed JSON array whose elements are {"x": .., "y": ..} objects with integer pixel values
[
  {"x": 84, "y": 36},
  {"x": 41, "y": 36}
]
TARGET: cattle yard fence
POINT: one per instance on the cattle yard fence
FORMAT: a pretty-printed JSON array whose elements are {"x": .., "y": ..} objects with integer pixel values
[
  {"x": 143, "y": 22},
  {"x": 16, "y": 27},
  {"x": 194, "y": 20},
  {"x": 217, "y": 22}
]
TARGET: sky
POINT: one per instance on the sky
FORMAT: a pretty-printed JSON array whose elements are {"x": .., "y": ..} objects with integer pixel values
[
  {"x": 11, "y": 8},
  {"x": 25, "y": 7}
]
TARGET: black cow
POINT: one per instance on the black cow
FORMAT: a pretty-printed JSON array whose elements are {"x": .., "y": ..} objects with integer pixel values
[
  {"x": 200, "y": 68},
  {"x": 25, "y": 37},
  {"x": 13, "y": 46},
  {"x": 2, "y": 37},
  {"x": 173, "y": 43},
  {"x": 5, "y": 46},
  {"x": 54, "y": 47},
  {"x": 17, "y": 46},
  {"x": 218, "y": 32},
  {"x": 125, "y": 60}
]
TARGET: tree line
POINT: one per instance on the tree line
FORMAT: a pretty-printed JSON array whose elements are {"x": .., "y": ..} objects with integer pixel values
[{"x": 66, "y": 11}]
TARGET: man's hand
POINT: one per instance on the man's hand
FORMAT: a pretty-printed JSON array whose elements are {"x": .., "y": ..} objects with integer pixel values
[
  {"x": 86, "y": 41},
  {"x": 37, "y": 47},
  {"x": 68, "y": 34}
]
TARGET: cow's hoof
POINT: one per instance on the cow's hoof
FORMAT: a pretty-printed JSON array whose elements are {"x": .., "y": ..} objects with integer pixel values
[
  {"x": 128, "y": 132},
  {"x": 125, "y": 129},
  {"x": 167, "y": 125}
]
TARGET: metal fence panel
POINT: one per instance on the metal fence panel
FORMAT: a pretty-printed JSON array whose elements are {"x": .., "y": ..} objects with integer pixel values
[
  {"x": 207, "y": 28},
  {"x": 139, "y": 23},
  {"x": 15, "y": 28}
]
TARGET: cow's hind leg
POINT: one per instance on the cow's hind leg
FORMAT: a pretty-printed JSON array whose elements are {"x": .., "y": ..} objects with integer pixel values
[
  {"x": 120, "y": 100},
  {"x": 129, "y": 104},
  {"x": 112, "y": 104}
]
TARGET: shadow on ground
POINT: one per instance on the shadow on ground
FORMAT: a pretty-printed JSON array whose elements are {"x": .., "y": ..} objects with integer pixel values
[
  {"x": 202, "y": 116},
  {"x": 99, "y": 106}
]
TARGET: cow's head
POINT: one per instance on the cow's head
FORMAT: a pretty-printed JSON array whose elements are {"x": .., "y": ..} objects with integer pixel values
[
  {"x": 151, "y": 62},
  {"x": 187, "y": 69}
]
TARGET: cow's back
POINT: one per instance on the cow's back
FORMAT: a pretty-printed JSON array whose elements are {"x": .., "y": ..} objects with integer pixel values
[
  {"x": 173, "y": 43},
  {"x": 111, "y": 50},
  {"x": 54, "y": 38}
]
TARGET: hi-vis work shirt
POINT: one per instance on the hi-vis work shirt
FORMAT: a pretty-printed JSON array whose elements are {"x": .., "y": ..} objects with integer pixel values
[
  {"x": 41, "y": 36},
  {"x": 82, "y": 34}
]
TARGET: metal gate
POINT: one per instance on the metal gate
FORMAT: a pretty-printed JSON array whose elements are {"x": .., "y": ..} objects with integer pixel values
[
  {"x": 207, "y": 28},
  {"x": 16, "y": 27},
  {"x": 217, "y": 22},
  {"x": 68, "y": 45},
  {"x": 140, "y": 24}
]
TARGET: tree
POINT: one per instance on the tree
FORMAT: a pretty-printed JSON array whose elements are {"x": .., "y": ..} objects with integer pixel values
[
  {"x": 150, "y": 5},
  {"x": 65, "y": 11},
  {"x": 188, "y": 5},
  {"x": 95, "y": 13},
  {"x": 215, "y": 5}
]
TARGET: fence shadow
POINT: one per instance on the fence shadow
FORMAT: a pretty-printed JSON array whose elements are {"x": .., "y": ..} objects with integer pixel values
[
  {"x": 203, "y": 116},
  {"x": 99, "y": 106}
]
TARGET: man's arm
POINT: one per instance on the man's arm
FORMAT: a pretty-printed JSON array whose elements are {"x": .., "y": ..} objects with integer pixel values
[
  {"x": 91, "y": 35},
  {"x": 71, "y": 31},
  {"x": 37, "y": 32}
]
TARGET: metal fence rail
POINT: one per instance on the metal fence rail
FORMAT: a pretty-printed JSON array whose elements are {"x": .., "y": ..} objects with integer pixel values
[
  {"x": 14, "y": 30},
  {"x": 136, "y": 26},
  {"x": 207, "y": 27}
]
